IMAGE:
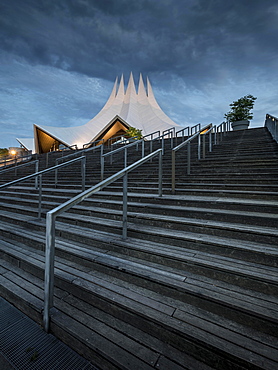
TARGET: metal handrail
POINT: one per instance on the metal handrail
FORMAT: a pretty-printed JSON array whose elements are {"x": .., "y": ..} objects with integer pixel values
[
  {"x": 171, "y": 132},
  {"x": 196, "y": 128},
  {"x": 125, "y": 148},
  {"x": 116, "y": 139},
  {"x": 271, "y": 123},
  {"x": 51, "y": 217},
  {"x": 181, "y": 145},
  {"x": 186, "y": 142},
  {"x": 203, "y": 135},
  {"x": 81, "y": 152},
  {"x": 15, "y": 160},
  {"x": 38, "y": 175},
  {"x": 221, "y": 130},
  {"x": 60, "y": 150},
  {"x": 151, "y": 134},
  {"x": 93, "y": 143},
  {"x": 15, "y": 168},
  {"x": 182, "y": 130}
]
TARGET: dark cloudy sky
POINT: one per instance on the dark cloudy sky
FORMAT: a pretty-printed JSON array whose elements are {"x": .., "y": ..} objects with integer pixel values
[{"x": 59, "y": 58}]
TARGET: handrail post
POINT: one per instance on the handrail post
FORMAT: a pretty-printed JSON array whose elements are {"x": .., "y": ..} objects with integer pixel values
[
  {"x": 162, "y": 145},
  {"x": 83, "y": 172},
  {"x": 40, "y": 197},
  {"x": 143, "y": 148},
  {"x": 188, "y": 157},
  {"x": 124, "y": 206},
  {"x": 15, "y": 166},
  {"x": 125, "y": 157},
  {"x": 37, "y": 170},
  {"x": 204, "y": 146},
  {"x": 160, "y": 175},
  {"x": 173, "y": 171},
  {"x": 210, "y": 141},
  {"x": 56, "y": 177},
  {"x": 199, "y": 146},
  {"x": 49, "y": 269},
  {"x": 102, "y": 167}
]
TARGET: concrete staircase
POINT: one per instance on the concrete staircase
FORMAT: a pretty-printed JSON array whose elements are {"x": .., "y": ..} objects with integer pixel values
[{"x": 195, "y": 284}]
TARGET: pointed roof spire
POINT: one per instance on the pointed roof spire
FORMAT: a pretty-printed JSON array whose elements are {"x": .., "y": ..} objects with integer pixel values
[
  {"x": 130, "y": 94},
  {"x": 121, "y": 89},
  {"x": 151, "y": 97},
  {"x": 142, "y": 94}
]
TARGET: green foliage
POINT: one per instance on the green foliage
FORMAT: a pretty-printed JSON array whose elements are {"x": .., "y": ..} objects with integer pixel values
[
  {"x": 134, "y": 133},
  {"x": 4, "y": 152},
  {"x": 240, "y": 109}
]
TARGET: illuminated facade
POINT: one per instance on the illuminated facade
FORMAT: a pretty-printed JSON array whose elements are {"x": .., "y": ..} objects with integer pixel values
[{"x": 124, "y": 109}]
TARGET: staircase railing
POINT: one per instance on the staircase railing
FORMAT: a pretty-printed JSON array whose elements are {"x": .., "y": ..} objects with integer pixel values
[
  {"x": 94, "y": 143},
  {"x": 124, "y": 149},
  {"x": 271, "y": 123},
  {"x": 38, "y": 176},
  {"x": 187, "y": 143},
  {"x": 51, "y": 217},
  {"x": 80, "y": 152},
  {"x": 10, "y": 161},
  {"x": 15, "y": 168},
  {"x": 222, "y": 130},
  {"x": 63, "y": 150},
  {"x": 169, "y": 132}
]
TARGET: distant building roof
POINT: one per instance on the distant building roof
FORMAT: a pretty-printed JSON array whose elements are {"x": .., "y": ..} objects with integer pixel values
[
  {"x": 27, "y": 143},
  {"x": 122, "y": 110}
]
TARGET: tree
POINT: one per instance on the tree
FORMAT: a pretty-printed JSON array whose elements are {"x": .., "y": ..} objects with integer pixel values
[
  {"x": 4, "y": 152},
  {"x": 135, "y": 133},
  {"x": 240, "y": 109}
]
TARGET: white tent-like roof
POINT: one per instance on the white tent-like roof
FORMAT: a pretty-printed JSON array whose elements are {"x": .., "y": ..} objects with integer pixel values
[
  {"x": 126, "y": 108},
  {"x": 27, "y": 143}
]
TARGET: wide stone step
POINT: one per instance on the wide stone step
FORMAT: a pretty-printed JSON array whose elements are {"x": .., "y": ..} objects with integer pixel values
[
  {"x": 22, "y": 205},
  {"x": 92, "y": 214},
  {"x": 227, "y": 270},
  {"x": 164, "y": 321}
]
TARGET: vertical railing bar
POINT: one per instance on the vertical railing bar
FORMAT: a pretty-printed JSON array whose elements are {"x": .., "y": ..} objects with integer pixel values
[
  {"x": 204, "y": 146},
  {"x": 188, "y": 157},
  {"x": 36, "y": 170},
  {"x": 102, "y": 167},
  {"x": 125, "y": 157},
  {"x": 173, "y": 171},
  {"x": 40, "y": 197},
  {"x": 160, "y": 175},
  {"x": 83, "y": 172},
  {"x": 125, "y": 206},
  {"x": 49, "y": 269},
  {"x": 199, "y": 146}
]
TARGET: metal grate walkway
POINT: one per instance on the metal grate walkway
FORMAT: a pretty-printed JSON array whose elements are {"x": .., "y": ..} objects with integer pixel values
[{"x": 26, "y": 346}]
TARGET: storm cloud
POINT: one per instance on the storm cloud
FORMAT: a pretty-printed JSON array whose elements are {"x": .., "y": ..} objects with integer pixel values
[{"x": 200, "y": 55}]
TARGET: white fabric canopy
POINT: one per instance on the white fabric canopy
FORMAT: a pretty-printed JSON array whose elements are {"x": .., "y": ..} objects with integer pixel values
[{"x": 137, "y": 109}]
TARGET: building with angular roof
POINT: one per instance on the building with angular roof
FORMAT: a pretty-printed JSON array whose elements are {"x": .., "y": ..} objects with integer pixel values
[{"x": 124, "y": 109}]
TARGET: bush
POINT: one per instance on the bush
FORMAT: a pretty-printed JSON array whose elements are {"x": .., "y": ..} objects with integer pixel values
[
  {"x": 240, "y": 109},
  {"x": 134, "y": 132}
]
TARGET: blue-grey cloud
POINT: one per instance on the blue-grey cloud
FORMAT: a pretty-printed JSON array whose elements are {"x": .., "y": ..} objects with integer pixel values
[{"x": 199, "y": 54}]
